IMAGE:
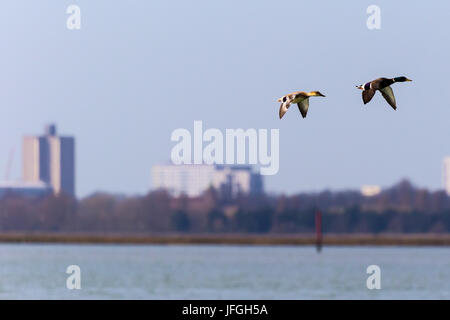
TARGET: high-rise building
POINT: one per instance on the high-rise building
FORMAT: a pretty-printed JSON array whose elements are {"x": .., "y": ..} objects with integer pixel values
[
  {"x": 446, "y": 175},
  {"x": 51, "y": 159},
  {"x": 193, "y": 180}
]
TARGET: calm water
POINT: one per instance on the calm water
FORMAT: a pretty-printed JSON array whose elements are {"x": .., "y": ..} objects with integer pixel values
[{"x": 222, "y": 272}]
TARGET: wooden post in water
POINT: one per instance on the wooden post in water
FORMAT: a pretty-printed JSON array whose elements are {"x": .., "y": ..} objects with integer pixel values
[{"x": 318, "y": 231}]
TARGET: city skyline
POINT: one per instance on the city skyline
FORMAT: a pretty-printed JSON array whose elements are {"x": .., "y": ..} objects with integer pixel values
[
  {"x": 108, "y": 84},
  {"x": 203, "y": 175}
]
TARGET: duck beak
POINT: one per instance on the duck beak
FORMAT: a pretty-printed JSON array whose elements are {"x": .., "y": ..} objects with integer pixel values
[
  {"x": 359, "y": 87},
  {"x": 322, "y": 95},
  {"x": 408, "y": 80}
]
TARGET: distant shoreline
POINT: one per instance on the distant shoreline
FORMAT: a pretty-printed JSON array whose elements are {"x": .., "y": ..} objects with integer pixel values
[{"x": 231, "y": 239}]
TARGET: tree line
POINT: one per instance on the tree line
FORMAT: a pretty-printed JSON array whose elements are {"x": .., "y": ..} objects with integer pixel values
[{"x": 400, "y": 209}]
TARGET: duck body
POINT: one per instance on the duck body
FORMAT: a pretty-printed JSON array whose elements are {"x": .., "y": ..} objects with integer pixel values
[
  {"x": 301, "y": 98},
  {"x": 384, "y": 86}
]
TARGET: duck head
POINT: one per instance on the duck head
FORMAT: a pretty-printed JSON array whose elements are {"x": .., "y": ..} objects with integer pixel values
[
  {"x": 315, "y": 94},
  {"x": 401, "y": 79},
  {"x": 360, "y": 87}
]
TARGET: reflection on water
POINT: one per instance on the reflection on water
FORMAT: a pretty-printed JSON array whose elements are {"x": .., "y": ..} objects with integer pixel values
[{"x": 35, "y": 271}]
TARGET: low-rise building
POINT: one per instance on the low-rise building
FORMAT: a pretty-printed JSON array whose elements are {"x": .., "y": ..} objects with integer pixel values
[
  {"x": 370, "y": 190},
  {"x": 24, "y": 189},
  {"x": 193, "y": 180}
]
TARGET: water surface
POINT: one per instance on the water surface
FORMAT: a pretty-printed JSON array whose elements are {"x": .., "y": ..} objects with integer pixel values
[{"x": 37, "y": 271}]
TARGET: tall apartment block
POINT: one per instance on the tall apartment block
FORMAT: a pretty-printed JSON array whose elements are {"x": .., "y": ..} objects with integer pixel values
[
  {"x": 446, "y": 175},
  {"x": 50, "y": 159}
]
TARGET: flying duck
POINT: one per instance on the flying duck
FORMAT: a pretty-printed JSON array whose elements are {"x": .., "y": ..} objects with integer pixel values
[
  {"x": 382, "y": 85},
  {"x": 300, "y": 98}
]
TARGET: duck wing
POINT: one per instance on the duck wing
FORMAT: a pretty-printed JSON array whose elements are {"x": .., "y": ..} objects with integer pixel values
[
  {"x": 284, "y": 108},
  {"x": 303, "y": 107},
  {"x": 367, "y": 95},
  {"x": 388, "y": 95},
  {"x": 287, "y": 100}
]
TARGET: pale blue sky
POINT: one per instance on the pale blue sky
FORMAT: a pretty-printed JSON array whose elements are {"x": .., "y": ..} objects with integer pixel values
[{"x": 137, "y": 70}]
